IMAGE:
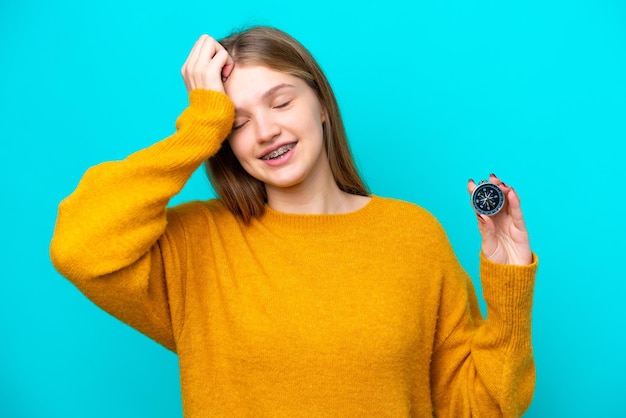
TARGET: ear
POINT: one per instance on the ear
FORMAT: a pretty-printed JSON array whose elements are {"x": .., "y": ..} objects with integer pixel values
[{"x": 323, "y": 115}]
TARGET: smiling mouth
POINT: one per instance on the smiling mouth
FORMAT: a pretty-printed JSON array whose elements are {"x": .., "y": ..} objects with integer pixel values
[{"x": 279, "y": 152}]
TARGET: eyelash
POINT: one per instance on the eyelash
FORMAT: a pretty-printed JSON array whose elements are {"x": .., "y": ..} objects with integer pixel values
[
  {"x": 237, "y": 127},
  {"x": 280, "y": 106}
]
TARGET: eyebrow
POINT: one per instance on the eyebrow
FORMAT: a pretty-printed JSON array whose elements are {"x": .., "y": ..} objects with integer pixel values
[
  {"x": 272, "y": 91},
  {"x": 275, "y": 89}
]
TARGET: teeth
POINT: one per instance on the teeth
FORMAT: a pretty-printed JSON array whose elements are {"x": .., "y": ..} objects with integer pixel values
[{"x": 277, "y": 153}]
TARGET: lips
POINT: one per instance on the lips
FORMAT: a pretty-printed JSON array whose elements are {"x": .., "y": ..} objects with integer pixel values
[{"x": 278, "y": 152}]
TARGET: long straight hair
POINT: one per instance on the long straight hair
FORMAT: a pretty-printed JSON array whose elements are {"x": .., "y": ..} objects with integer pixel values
[{"x": 244, "y": 195}]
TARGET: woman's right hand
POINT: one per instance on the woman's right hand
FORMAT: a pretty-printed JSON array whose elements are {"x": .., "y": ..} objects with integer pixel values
[{"x": 207, "y": 65}]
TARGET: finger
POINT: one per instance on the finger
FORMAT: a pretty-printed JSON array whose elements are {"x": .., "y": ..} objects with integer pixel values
[
  {"x": 190, "y": 63},
  {"x": 219, "y": 62},
  {"x": 494, "y": 179},
  {"x": 515, "y": 209},
  {"x": 487, "y": 230},
  {"x": 205, "y": 63},
  {"x": 228, "y": 68},
  {"x": 192, "y": 58},
  {"x": 214, "y": 73},
  {"x": 471, "y": 186},
  {"x": 502, "y": 185},
  {"x": 208, "y": 49},
  {"x": 203, "y": 54},
  {"x": 199, "y": 60},
  {"x": 226, "y": 65},
  {"x": 505, "y": 188}
]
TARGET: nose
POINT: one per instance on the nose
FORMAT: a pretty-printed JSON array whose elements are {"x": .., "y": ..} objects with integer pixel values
[{"x": 267, "y": 127}]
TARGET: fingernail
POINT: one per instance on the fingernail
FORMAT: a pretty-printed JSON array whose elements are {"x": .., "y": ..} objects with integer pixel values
[
  {"x": 493, "y": 175},
  {"x": 504, "y": 184},
  {"x": 480, "y": 217}
]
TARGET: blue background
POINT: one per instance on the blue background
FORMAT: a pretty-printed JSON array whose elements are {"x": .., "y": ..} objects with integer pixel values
[{"x": 432, "y": 93}]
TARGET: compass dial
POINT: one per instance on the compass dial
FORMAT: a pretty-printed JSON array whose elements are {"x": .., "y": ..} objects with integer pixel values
[{"x": 487, "y": 199}]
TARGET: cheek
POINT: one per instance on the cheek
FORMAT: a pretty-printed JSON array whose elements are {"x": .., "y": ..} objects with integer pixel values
[
  {"x": 316, "y": 125},
  {"x": 243, "y": 152},
  {"x": 305, "y": 123},
  {"x": 238, "y": 146}
]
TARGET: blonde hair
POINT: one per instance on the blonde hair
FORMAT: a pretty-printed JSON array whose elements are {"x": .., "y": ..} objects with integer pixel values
[{"x": 244, "y": 195}]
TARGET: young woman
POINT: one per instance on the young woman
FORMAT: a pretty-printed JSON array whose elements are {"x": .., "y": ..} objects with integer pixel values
[{"x": 296, "y": 293}]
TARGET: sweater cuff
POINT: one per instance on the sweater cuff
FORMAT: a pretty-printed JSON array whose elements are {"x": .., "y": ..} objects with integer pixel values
[
  {"x": 508, "y": 292},
  {"x": 208, "y": 108},
  {"x": 507, "y": 282},
  {"x": 215, "y": 101},
  {"x": 209, "y": 118}
]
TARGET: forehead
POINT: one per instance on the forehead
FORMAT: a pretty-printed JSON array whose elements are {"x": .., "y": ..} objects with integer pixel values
[{"x": 248, "y": 85}]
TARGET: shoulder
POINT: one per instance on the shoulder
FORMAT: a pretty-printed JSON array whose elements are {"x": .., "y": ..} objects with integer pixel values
[
  {"x": 407, "y": 213},
  {"x": 413, "y": 225}
]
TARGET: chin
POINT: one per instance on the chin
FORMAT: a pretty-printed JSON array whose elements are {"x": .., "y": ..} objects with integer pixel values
[
  {"x": 285, "y": 180},
  {"x": 285, "y": 183}
]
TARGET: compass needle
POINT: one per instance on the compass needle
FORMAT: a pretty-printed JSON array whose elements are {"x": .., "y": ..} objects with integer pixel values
[{"x": 487, "y": 199}]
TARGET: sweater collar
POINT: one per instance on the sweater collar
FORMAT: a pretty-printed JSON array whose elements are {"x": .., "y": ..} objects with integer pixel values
[{"x": 332, "y": 224}]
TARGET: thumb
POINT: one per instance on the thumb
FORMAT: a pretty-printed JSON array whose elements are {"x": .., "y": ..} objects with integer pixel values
[{"x": 222, "y": 64}]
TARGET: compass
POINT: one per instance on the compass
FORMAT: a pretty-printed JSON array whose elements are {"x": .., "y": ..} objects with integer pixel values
[{"x": 487, "y": 198}]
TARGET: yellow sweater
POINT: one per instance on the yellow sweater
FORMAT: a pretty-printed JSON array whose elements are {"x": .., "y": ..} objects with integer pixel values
[{"x": 364, "y": 314}]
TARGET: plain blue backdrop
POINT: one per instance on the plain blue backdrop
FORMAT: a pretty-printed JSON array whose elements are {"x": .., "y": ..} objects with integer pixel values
[{"x": 432, "y": 93}]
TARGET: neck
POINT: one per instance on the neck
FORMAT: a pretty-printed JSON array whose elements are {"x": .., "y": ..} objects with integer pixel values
[
  {"x": 300, "y": 199},
  {"x": 321, "y": 198}
]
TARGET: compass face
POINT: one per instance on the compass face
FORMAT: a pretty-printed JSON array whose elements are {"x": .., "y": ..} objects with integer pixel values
[{"x": 487, "y": 199}]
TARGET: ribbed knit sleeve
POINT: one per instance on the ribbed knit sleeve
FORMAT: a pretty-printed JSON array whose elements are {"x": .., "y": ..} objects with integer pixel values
[
  {"x": 484, "y": 367},
  {"x": 110, "y": 237}
]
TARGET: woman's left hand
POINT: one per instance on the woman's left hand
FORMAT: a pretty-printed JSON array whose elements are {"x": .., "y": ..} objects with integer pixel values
[{"x": 504, "y": 235}]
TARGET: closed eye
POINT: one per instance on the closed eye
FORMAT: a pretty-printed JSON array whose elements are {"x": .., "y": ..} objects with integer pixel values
[
  {"x": 282, "y": 105},
  {"x": 238, "y": 126}
]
